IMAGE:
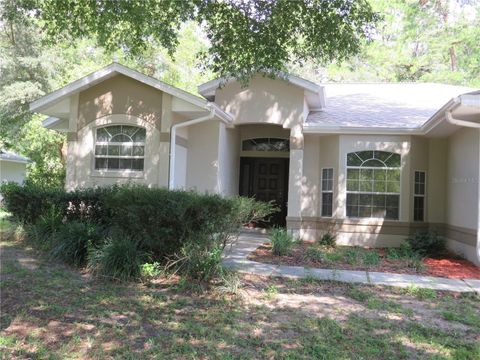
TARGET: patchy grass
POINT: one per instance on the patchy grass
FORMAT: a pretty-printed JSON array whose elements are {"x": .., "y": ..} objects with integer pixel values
[{"x": 51, "y": 311}]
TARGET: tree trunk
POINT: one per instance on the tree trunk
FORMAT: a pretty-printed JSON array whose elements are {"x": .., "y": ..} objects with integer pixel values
[{"x": 453, "y": 58}]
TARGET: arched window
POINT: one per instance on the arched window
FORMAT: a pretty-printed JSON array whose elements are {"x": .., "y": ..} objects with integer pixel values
[
  {"x": 120, "y": 147},
  {"x": 266, "y": 144},
  {"x": 373, "y": 184}
]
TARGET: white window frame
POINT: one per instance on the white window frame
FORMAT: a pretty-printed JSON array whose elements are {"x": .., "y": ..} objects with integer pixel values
[
  {"x": 118, "y": 171},
  {"x": 327, "y": 191},
  {"x": 399, "y": 194},
  {"x": 424, "y": 195}
]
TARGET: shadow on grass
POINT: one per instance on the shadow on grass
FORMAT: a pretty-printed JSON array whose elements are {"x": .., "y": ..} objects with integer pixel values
[{"x": 51, "y": 311}]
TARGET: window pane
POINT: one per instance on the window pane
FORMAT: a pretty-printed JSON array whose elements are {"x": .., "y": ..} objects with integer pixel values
[
  {"x": 327, "y": 204},
  {"x": 365, "y": 186},
  {"x": 373, "y": 163},
  {"x": 382, "y": 155},
  {"x": 379, "y": 200},
  {"x": 379, "y": 175},
  {"x": 126, "y": 150},
  {"x": 113, "y": 163},
  {"x": 101, "y": 150},
  {"x": 394, "y": 161},
  {"x": 379, "y": 186},
  {"x": 393, "y": 187},
  {"x": 101, "y": 163},
  {"x": 352, "y": 211},
  {"x": 125, "y": 164},
  {"x": 114, "y": 130},
  {"x": 113, "y": 150},
  {"x": 137, "y": 164},
  {"x": 140, "y": 135},
  {"x": 365, "y": 155},
  {"x": 102, "y": 135},
  {"x": 352, "y": 199},
  {"x": 366, "y": 175},
  {"x": 352, "y": 185},
  {"x": 391, "y": 214},
  {"x": 121, "y": 138},
  {"x": 138, "y": 151},
  {"x": 393, "y": 175},
  {"x": 353, "y": 160},
  {"x": 353, "y": 174},
  {"x": 418, "y": 208}
]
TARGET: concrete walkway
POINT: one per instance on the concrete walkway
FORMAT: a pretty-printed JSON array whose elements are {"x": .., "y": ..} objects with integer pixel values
[{"x": 235, "y": 257}]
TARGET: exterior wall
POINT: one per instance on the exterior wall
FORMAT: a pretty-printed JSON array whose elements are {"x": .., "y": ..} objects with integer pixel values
[
  {"x": 228, "y": 161},
  {"x": 80, "y": 159},
  {"x": 120, "y": 95},
  {"x": 202, "y": 158},
  {"x": 462, "y": 210},
  {"x": 265, "y": 100},
  {"x": 330, "y": 152},
  {"x": 437, "y": 180},
  {"x": 12, "y": 171}
]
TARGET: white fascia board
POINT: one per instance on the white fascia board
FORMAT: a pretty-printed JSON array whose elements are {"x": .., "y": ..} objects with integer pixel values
[
  {"x": 212, "y": 85},
  {"x": 361, "y": 130},
  {"x": 107, "y": 72},
  {"x": 16, "y": 161},
  {"x": 470, "y": 100}
]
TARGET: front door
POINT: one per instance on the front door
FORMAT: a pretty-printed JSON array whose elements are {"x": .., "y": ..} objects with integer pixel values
[{"x": 266, "y": 179}]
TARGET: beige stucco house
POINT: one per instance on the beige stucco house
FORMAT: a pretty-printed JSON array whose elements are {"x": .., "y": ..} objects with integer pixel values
[{"x": 371, "y": 162}]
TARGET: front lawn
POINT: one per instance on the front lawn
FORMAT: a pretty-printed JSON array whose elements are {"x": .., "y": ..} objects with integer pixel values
[{"x": 52, "y": 311}]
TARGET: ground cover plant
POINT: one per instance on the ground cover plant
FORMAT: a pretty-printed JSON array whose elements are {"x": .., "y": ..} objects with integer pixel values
[
  {"x": 50, "y": 310},
  {"x": 113, "y": 231},
  {"x": 402, "y": 260}
]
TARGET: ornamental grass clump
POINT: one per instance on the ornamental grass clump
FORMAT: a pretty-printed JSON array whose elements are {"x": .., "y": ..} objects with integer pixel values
[{"x": 282, "y": 241}]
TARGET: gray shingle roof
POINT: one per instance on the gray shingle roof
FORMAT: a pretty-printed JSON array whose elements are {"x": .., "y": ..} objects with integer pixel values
[
  {"x": 11, "y": 156},
  {"x": 399, "y": 105}
]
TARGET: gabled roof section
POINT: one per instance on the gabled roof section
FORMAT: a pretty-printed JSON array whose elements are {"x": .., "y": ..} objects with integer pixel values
[
  {"x": 108, "y": 72},
  {"x": 381, "y": 107},
  {"x": 13, "y": 157},
  {"x": 314, "y": 93}
]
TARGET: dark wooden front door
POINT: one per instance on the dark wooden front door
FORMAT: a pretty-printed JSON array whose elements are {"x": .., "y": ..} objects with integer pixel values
[{"x": 266, "y": 179}]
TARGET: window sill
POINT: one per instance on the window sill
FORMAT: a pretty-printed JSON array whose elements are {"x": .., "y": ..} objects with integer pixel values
[{"x": 129, "y": 174}]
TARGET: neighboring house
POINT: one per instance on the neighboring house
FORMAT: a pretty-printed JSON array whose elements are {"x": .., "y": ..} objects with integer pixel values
[
  {"x": 371, "y": 162},
  {"x": 13, "y": 167}
]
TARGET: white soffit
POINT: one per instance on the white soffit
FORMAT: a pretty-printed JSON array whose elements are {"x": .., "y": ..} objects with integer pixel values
[{"x": 314, "y": 93}]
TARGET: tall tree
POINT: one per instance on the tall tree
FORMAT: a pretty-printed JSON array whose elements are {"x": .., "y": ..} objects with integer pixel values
[{"x": 246, "y": 36}]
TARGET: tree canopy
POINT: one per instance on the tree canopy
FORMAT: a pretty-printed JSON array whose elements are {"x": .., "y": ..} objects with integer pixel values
[{"x": 245, "y": 36}]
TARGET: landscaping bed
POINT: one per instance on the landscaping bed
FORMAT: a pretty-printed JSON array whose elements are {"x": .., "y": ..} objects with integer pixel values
[{"x": 390, "y": 260}]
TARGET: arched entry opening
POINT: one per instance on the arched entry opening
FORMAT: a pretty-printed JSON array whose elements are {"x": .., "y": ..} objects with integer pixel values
[{"x": 264, "y": 166}]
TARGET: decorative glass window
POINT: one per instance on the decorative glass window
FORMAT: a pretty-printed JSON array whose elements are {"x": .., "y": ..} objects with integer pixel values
[
  {"x": 373, "y": 184},
  {"x": 419, "y": 196},
  {"x": 120, "y": 147},
  {"x": 266, "y": 144},
  {"x": 327, "y": 192}
]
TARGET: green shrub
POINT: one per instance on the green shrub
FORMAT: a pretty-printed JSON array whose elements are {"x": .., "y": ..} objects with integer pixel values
[
  {"x": 328, "y": 239},
  {"x": 73, "y": 241},
  {"x": 426, "y": 243},
  {"x": 151, "y": 270},
  {"x": 191, "y": 228},
  {"x": 371, "y": 258},
  {"x": 282, "y": 241},
  {"x": 119, "y": 258},
  {"x": 314, "y": 254}
]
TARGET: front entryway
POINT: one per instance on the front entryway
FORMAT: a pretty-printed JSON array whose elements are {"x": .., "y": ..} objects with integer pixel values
[{"x": 266, "y": 179}]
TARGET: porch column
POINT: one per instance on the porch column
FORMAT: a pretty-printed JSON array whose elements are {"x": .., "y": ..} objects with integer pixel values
[
  {"x": 295, "y": 176},
  {"x": 164, "y": 150},
  {"x": 70, "y": 173}
]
